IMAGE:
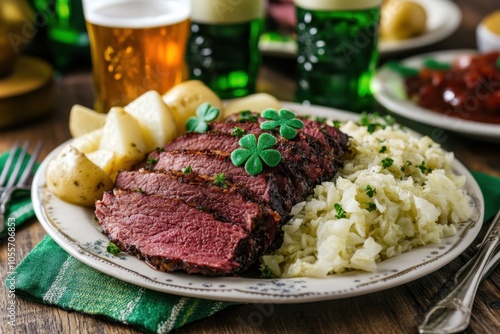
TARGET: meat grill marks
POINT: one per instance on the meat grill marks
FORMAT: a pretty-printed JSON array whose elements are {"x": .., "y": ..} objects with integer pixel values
[
  {"x": 266, "y": 187},
  {"x": 325, "y": 134},
  {"x": 232, "y": 204},
  {"x": 250, "y": 210},
  {"x": 305, "y": 161},
  {"x": 171, "y": 235}
]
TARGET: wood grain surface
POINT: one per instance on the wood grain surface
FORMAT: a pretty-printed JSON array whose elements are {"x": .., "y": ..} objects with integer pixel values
[{"x": 397, "y": 310}]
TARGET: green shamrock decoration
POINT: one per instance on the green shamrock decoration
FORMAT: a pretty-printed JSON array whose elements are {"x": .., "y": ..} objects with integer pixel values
[
  {"x": 285, "y": 120},
  {"x": 253, "y": 151},
  {"x": 204, "y": 114}
]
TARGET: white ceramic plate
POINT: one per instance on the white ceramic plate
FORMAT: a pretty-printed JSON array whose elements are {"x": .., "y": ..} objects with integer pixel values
[
  {"x": 75, "y": 230},
  {"x": 389, "y": 89},
  {"x": 443, "y": 18}
]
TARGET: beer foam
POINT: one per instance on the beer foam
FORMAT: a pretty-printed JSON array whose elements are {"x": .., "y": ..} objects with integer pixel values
[
  {"x": 338, "y": 4},
  {"x": 226, "y": 11},
  {"x": 136, "y": 14}
]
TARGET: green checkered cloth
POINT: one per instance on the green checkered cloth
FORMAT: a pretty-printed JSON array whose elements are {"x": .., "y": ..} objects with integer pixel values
[{"x": 51, "y": 276}]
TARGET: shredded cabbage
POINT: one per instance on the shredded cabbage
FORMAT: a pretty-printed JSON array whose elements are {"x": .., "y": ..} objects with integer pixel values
[{"x": 389, "y": 210}]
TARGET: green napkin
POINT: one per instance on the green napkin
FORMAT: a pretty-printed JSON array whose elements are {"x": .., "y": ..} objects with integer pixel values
[
  {"x": 49, "y": 275},
  {"x": 490, "y": 187},
  {"x": 19, "y": 209}
]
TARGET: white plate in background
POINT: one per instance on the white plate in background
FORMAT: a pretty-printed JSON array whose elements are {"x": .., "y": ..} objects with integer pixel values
[
  {"x": 443, "y": 18},
  {"x": 389, "y": 90}
]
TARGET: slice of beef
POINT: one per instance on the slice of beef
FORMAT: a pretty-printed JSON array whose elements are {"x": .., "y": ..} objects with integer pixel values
[
  {"x": 268, "y": 187},
  {"x": 171, "y": 235},
  {"x": 291, "y": 150},
  {"x": 228, "y": 203},
  {"x": 171, "y": 201},
  {"x": 330, "y": 137},
  {"x": 228, "y": 127},
  {"x": 325, "y": 134},
  {"x": 306, "y": 159},
  {"x": 215, "y": 141}
]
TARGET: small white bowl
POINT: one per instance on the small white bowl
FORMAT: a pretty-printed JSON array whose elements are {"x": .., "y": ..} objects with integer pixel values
[{"x": 487, "y": 40}]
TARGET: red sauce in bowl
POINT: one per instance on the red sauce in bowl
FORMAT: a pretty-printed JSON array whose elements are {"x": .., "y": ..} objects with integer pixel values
[{"x": 470, "y": 89}]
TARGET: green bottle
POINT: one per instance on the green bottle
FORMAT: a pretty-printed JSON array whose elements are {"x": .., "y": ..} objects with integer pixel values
[
  {"x": 222, "y": 50},
  {"x": 67, "y": 36},
  {"x": 337, "y": 52}
]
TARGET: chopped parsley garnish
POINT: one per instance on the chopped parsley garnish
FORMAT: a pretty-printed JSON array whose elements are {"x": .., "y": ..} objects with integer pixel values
[
  {"x": 373, "y": 121},
  {"x": 152, "y": 160},
  {"x": 160, "y": 149},
  {"x": 423, "y": 168},
  {"x": 220, "y": 180},
  {"x": 383, "y": 149},
  {"x": 387, "y": 162},
  {"x": 238, "y": 132},
  {"x": 403, "y": 168},
  {"x": 371, "y": 206},
  {"x": 370, "y": 191},
  {"x": 112, "y": 248},
  {"x": 247, "y": 116},
  {"x": 337, "y": 124},
  {"x": 187, "y": 170},
  {"x": 409, "y": 163},
  {"x": 265, "y": 271},
  {"x": 340, "y": 211},
  {"x": 139, "y": 190},
  {"x": 320, "y": 119}
]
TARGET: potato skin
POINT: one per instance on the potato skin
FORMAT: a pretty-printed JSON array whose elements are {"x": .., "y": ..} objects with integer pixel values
[{"x": 72, "y": 177}]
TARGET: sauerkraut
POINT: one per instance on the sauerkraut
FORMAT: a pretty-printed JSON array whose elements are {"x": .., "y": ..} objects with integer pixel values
[{"x": 395, "y": 192}]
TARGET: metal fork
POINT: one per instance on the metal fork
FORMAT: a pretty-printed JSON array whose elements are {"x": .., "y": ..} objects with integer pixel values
[
  {"x": 452, "y": 314},
  {"x": 9, "y": 184}
]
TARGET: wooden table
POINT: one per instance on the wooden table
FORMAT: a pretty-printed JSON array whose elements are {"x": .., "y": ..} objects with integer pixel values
[{"x": 397, "y": 310}]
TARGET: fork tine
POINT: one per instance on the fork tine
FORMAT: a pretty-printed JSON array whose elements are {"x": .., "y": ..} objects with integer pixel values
[
  {"x": 19, "y": 163},
  {"x": 31, "y": 164},
  {"x": 9, "y": 161}
]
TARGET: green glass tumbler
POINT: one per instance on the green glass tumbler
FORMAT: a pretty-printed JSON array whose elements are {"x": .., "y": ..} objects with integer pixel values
[
  {"x": 223, "y": 50},
  {"x": 337, "y": 52}
]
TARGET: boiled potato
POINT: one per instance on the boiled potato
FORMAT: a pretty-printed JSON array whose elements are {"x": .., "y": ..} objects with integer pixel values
[
  {"x": 72, "y": 177},
  {"x": 122, "y": 134},
  {"x": 104, "y": 160},
  {"x": 83, "y": 120},
  {"x": 155, "y": 119},
  {"x": 255, "y": 102},
  {"x": 184, "y": 98},
  {"x": 88, "y": 142},
  {"x": 402, "y": 19}
]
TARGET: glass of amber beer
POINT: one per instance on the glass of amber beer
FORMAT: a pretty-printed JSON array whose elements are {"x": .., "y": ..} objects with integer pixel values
[{"x": 136, "y": 46}]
